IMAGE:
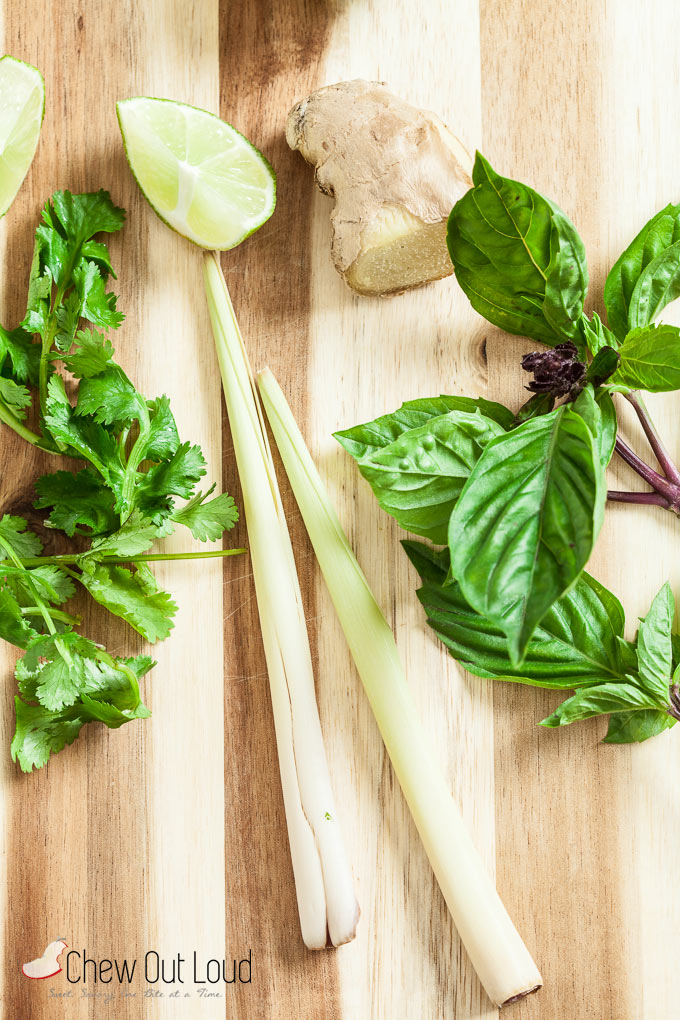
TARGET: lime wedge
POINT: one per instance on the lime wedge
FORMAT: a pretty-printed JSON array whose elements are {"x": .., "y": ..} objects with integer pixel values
[
  {"x": 22, "y": 105},
  {"x": 198, "y": 173}
]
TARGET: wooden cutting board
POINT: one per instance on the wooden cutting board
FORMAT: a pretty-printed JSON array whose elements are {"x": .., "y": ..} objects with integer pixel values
[{"x": 168, "y": 836}]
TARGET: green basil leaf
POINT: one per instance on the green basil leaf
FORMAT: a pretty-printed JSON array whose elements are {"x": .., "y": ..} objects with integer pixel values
[
  {"x": 656, "y": 237},
  {"x": 526, "y": 522},
  {"x": 633, "y": 727},
  {"x": 518, "y": 258},
  {"x": 596, "y": 407},
  {"x": 654, "y": 645},
  {"x": 650, "y": 359},
  {"x": 418, "y": 478},
  {"x": 603, "y": 366},
  {"x": 601, "y": 700},
  {"x": 578, "y": 642},
  {"x": 540, "y": 403},
  {"x": 362, "y": 440},
  {"x": 659, "y": 284},
  {"x": 596, "y": 335}
]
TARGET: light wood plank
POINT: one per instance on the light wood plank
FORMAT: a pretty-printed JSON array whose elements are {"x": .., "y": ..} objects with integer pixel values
[
  {"x": 366, "y": 357},
  {"x": 579, "y": 118}
]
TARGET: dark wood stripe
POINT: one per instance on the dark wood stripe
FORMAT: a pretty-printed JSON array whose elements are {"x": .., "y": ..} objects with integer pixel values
[{"x": 271, "y": 54}]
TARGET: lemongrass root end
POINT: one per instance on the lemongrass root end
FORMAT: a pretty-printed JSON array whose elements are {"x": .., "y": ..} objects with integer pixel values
[{"x": 521, "y": 995}]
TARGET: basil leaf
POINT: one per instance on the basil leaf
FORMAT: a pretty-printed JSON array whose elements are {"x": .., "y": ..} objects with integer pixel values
[
  {"x": 596, "y": 335},
  {"x": 526, "y": 522},
  {"x": 632, "y": 727},
  {"x": 658, "y": 285},
  {"x": 518, "y": 258},
  {"x": 596, "y": 407},
  {"x": 540, "y": 403},
  {"x": 418, "y": 478},
  {"x": 601, "y": 700},
  {"x": 603, "y": 366},
  {"x": 650, "y": 359},
  {"x": 362, "y": 440},
  {"x": 578, "y": 642},
  {"x": 654, "y": 645},
  {"x": 646, "y": 268}
]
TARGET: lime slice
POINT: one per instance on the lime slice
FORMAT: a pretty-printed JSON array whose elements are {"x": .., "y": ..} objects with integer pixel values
[
  {"x": 22, "y": 105},
  {"x": 200, "y": 175}
]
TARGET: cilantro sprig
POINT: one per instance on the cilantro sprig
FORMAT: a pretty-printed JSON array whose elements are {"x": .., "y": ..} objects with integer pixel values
[{"x": 62, "y": 391}]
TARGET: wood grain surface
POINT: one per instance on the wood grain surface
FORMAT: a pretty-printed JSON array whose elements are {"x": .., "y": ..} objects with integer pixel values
[{"x": 169, "y": 834}]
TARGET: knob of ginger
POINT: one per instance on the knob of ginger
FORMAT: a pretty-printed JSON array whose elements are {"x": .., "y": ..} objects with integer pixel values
[{"x": 395, "y": 172}]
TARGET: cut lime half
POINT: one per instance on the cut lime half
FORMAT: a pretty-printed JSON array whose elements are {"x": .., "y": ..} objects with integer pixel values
[
  {"x": 22, "y": 106},
  {"x": 198, "y": 173}
]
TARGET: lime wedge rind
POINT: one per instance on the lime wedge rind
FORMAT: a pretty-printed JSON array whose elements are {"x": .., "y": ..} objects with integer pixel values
[
  {"x": 22, "y": 109},
  {"x": 200, "y": 175}
]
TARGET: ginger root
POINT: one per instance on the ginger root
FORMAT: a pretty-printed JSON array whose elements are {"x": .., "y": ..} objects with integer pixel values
[{"x": 395, "y": 172}]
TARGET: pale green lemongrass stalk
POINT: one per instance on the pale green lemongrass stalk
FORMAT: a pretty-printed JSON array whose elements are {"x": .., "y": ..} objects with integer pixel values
[
  {"x": 498, "y": 954},
  {"x": 323, "y": 879}
]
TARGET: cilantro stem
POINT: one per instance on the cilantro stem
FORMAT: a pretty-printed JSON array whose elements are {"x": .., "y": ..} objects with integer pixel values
[
  {"x": 38, "y": 561},
  {"x": 14, "y": 423},
  {"x": 122, "y": 668},
  {"x": 669, "y": 469},
  {"x": 135, "y": 459},
  {"x": 47, "y": 341},
  {"x": 40, "y": 605},
  {"x": 56, "y": 614}
]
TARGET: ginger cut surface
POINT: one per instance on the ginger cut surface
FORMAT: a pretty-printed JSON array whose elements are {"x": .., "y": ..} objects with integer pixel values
[{"x": 395, "y": 172}]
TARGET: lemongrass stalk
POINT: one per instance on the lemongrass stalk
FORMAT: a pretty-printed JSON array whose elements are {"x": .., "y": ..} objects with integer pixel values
[
  {"x": 501, "y": 959},
  {"x": 323, "y": 879}
]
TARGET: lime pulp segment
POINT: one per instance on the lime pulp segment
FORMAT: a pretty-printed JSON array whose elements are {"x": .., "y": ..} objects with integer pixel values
[
  {"x": 22, "y": 105},
  {"x": 200, "y": 175}
]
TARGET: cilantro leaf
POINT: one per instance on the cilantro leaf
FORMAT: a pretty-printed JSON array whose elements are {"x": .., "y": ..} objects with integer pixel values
[
  {"x": 92, "y": 355},
  {"x": 49, "y": 582},
  {"x": 132, "y": 538},
  {"x": 90, "y": 440},
  {"x": 67, "y": 316},
  {"x": 129, "y": 595},
  {"x": 17, "y": 346},
  {"x": 97, "y": 304},
  {"x": 174, "y": 477},
  {"x": 23, "y": 543},
  {"x": 40, "y": 732},
  {"x": 53, "y": 669},
  {"x": 109, "y": 398},
  {"x": 77, "y": 501},
  {"x": 13, "y": 627},
  {"x": 60, "y": 585},
  {"x": 207, "y": 519},
  {"x": 16, "y": 396},
  {"x": 80, "y": 217},
  {"x": 107, "y": 697},
  {"x": 163, "y": 439}
]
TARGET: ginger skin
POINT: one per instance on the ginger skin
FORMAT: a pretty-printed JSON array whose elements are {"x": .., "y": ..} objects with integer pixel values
[{"x": 395, "y": 172}]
